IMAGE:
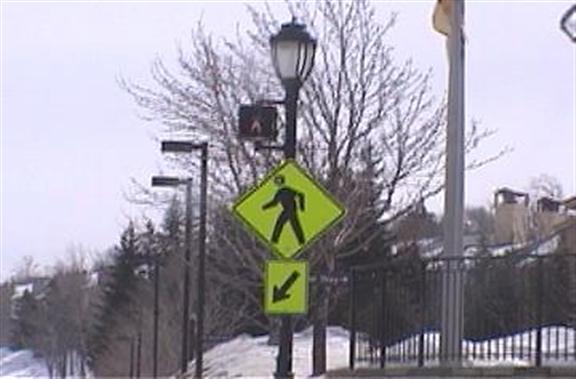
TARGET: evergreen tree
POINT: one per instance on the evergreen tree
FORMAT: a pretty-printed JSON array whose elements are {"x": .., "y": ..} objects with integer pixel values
[
  {"x": 118, "y": 297},
  {"x": 26, "y": 330}
]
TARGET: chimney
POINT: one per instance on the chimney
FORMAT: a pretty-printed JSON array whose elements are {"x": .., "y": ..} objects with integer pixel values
[{"x": 512, "y": 216}]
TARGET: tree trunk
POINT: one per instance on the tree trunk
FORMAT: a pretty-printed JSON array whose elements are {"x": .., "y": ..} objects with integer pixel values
[
  {"x": 63, "y": 367},
  {"x": 319, "y": 332}
]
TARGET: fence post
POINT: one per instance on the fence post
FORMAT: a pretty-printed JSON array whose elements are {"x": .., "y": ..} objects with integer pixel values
[
  {"x": 539, "y": 316},
  {"x": 422, "y": 294},
  {"x": 352, "y": 289},
  {"x": 382, "y": 318},
  {"x": 572, "y": 295}
]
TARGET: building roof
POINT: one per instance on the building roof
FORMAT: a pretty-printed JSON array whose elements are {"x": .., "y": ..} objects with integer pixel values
[{"x": 570, "y": 202}]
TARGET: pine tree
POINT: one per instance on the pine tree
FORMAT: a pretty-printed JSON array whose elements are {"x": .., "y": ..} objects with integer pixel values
[
  {"x": 118, "y": 298},
  {"x": 25, "y": 327}
]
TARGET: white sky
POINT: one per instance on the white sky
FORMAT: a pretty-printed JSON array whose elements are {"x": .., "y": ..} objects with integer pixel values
[{"x": 71, "y": 138}]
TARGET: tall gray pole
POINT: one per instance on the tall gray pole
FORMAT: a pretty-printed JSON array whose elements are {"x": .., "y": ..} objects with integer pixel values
[
  {"x": 201, "y": 259},
  {"x": 156, "y": 316},
  {"x": 452, "y": 283},
  {"x": 186, "y": 295}
]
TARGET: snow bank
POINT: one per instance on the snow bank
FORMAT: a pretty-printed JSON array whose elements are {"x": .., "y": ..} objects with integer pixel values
[
  {"x": 247, "y": 357},
  {"x": 21, "y": 363}
]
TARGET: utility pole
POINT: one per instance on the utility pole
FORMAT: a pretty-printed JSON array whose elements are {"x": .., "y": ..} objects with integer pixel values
[{"x": 452, "y": 324}]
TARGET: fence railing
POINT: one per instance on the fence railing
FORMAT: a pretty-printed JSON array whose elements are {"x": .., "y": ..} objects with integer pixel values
[{"x": 517, "y": 310}]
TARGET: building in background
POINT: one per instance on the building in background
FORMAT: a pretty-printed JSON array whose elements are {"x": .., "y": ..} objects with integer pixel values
[{"x": 512, "y": 216}]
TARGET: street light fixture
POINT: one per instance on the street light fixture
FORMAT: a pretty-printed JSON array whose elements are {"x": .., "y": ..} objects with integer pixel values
[
  {"x": 293, "y": 51},
  {"x": 168, "y": 181},
  {"x": 189, "y": 147}
]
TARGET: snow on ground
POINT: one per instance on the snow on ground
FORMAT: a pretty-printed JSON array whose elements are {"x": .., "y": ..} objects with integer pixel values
[
  {"x": 518, "y": 350},
  {"x": 248, "y": 357},
  {"x": 252, "y": 357},
  {"x": 21, "y": 363}
]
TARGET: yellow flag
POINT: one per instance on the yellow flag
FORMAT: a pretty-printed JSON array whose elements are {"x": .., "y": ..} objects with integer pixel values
[{"x": 441, "y": 16}]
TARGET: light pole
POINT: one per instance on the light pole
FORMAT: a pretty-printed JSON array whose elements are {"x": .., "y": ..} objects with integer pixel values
[
  {"x": 188, "y": 147},
  {"x": 452, "y": 314},
  {"x": 293, "y": 58},
  {"x": 156, "y": 317},
  {"x": 168, "y": 181}
]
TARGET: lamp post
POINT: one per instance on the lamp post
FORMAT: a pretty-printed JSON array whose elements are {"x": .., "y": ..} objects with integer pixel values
[
  {"x": 452, "y": 308},
  {"x": 167, "y": 181},
  {"x": 188, "y": 147},
  {"x": 156, "y": 317},
  {"x": 293, "y": 58}
]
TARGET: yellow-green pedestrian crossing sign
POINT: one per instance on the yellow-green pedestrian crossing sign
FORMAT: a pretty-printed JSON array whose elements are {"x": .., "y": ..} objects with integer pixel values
[
  {"x": 286, "y": 287},
  {"x": 288, "y": 209}
]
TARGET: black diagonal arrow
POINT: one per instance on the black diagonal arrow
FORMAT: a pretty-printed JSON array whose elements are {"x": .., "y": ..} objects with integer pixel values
[{"x": 281, "y": 293}]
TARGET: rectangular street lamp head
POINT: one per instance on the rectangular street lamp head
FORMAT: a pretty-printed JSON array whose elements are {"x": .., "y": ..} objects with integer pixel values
[
  {"x": 165, "y": 181},
  {"x": 177, "y": 147}
]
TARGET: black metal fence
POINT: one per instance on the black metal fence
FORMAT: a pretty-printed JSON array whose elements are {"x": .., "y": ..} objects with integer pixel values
[{"x": 518, "y": 310}]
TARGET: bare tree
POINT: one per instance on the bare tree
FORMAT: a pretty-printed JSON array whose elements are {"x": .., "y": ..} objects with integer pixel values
[
  {"x": 27, "y": 269},
  {"x": 545, "y": 185},
  {"x": 369, "y": 128}
]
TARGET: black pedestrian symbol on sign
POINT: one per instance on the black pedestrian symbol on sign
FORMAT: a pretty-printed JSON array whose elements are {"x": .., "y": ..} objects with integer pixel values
[{"x": 287, "y": 197}]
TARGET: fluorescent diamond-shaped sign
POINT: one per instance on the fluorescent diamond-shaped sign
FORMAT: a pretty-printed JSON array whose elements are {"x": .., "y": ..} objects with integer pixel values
[
  {"x": 568, "y": 23},
  {"x": 288, "y": 209}
]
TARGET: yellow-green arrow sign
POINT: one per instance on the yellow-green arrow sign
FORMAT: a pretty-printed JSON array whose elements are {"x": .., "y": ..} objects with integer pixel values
[
  {"x": 286, "y": 287},
  {"x": 288, "y": 209}
]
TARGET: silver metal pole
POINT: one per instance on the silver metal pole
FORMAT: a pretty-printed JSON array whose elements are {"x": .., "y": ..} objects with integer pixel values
[
  {"x": 452, "y": 283},
  {"x": 186, "y": 290},
  {"x": 202, "y": 261}
]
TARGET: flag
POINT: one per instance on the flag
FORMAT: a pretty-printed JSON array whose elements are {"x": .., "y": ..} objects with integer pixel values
[{"x": 441, "y": 16}]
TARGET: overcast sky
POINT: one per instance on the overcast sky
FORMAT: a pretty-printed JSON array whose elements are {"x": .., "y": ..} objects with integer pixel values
[{"x": 72, "y": 140}]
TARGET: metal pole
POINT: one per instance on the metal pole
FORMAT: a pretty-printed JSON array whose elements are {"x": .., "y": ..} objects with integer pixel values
[
  {"x": 186, "y": 298},
  {"x": 202, "y": 259},
  {"x": 539, "y": 312},
  {"x": 452, "y": 299},
  {"x": 284, "y": 358},
  {"x": 381, "y": 311},
  {"x": 292, "y": 87},
  {"x": 131, "y": 372},
  {"x": 156, "y": 316},
  {"x": 138, "y": 351},
  {"x": 423, "y": 306},
  {"x": 352, "y": 302}
]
